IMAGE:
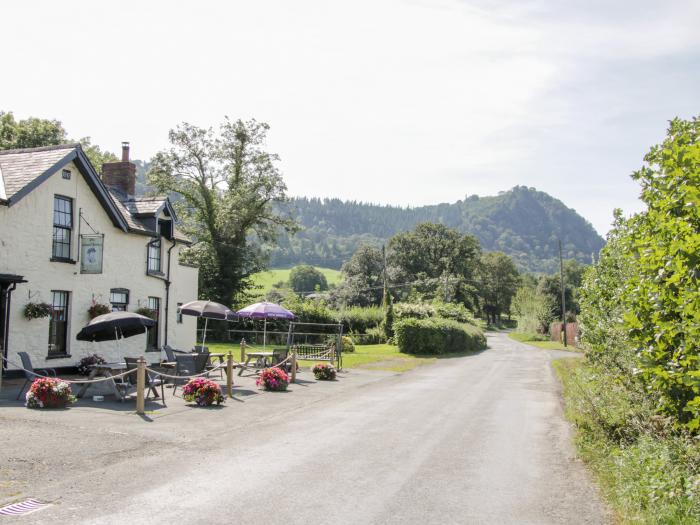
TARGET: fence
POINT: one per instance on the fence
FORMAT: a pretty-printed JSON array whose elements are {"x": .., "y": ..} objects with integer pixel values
[{"x": 572, "y": 333}]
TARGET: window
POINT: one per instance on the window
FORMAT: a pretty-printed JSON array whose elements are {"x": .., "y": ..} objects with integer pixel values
[
  {"x": 58, "y": 324},
  {"x": 62, "y": 227},
  {"x": 119, "y": 297},
  {"x": 154, "y": 256},
  {"x": 178, "y": 315},
  {"x": 152, "y": 344},
  {"x": 66, "y": 174}
]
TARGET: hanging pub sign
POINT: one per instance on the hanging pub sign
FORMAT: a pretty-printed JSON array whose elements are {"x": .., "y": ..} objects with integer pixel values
[{"x": 91, "y": 253}]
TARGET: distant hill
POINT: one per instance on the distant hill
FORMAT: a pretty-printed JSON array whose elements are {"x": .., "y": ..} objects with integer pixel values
[{"x": 522, "y": 222}]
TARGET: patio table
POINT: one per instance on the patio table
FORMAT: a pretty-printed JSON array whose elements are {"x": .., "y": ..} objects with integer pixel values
[
  {"x": 104, "y": 370},
  {"x": 261, "y": 360}
]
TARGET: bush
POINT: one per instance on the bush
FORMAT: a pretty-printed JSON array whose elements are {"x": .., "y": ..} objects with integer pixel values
[
  {"x": 455, "y": 311},
  {"x": 361, "y": 319},
  {"x": 324, "y": 372},
  {"x": 147, "y": 312},
  {"x": 413, "y": 311},
  {"x": 374, "y": 336},
  {"x": 348, "y": 345},
  {"x": 437, "y": 336}
]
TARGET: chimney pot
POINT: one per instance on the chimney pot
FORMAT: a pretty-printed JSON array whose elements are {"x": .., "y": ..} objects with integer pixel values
[
  {"x": 121, "y": 175},
  {"x": 125, "y": 152}
]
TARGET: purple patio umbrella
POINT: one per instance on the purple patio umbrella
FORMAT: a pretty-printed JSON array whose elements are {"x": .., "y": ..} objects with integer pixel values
[{"x": 265, "y": 311}]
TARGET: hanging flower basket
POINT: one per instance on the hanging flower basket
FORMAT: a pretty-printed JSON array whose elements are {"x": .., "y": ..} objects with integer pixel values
[
  {"x": 323, "y": 372},
  {"x": 37, "y": 310},
  {"x": 98, "y": 309},
  {"x": 49, "y": 392},
  {"x": 273, "y": 379},
  {"x": 204, "y": 392}
]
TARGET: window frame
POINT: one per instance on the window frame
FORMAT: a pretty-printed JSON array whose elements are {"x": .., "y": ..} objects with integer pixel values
[
  {"x": 117, "y": 305},
  {"x": 178, "y": 314},
  {"x": 154, "y": 253},
  {"x": 67, "y": 230},
  {"x": 65, "y": 308},
  {"x": 154, "y": 333}
]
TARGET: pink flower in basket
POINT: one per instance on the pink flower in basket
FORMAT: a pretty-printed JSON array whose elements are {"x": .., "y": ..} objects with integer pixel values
[
  {"x": 274, "y": 379},
  {"x": 203, "y": 392}
]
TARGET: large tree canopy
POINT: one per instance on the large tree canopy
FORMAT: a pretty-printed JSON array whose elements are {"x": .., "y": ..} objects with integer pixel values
[
  {"x": 228, "y": 183},
  {"x": 36, "y": 132},
  {"x": 498, "y": 280}
]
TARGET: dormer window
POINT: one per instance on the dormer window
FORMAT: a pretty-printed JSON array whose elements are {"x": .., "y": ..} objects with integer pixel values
[
  {"x": 62, "y": 228},
  {"x": 154, "y": 256}
]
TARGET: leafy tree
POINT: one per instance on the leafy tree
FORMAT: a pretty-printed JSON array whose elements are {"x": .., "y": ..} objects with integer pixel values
[
  {"x": 388, "y": 322},
  {"x": 534, "y": 310},
  {"x": 498, "y": 281},
  {"x": 304, "y": 278},
  {"x": 228, "y": 183},
  {"x": 362, "y": 278},
  {"x": 663, "y": 292},
  {"x": 36, "y": 132},
  {"x": 432, "y": 255}
]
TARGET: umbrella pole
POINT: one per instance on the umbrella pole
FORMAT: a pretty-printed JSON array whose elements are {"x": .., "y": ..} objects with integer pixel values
[
  {"x": 265, "y": 334},
  {"x": 204, "y": 335}
]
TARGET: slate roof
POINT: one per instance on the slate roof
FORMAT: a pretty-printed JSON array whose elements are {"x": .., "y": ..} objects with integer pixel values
[
  {"x": 19, "y": 167},
  {"x": 23, "y": 169}
]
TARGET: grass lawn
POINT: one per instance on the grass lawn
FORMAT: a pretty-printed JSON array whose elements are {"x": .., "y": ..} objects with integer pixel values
[
  {"x": 372, "y": 357},
  {"x": 540, "y": 341},
  {"x": 270, "y": 277}
]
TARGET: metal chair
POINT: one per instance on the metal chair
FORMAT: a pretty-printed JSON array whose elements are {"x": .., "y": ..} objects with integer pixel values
[
  {"x": 152, "y": 383},
  {"x": 170, "y": 353},
  {"x": 30, "y": 374},
  {"x": 184, "y": 366}
]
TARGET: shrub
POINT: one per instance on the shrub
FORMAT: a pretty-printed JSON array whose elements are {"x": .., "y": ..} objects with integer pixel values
[
  {"x": 147, "y": 312},
  {"x": 413, "y": 311},
  {"x": 437, "y": 336},
  {"x": 49, "y": 392},
  {"x": 374, "y": 336},
  {"x": 37, "y": 310},
  {"x": 85, "y": 362},
  {"x": 455, "y": 311},
  {"x": 348, "y": 344},
  {"x": 273, "y": 379},
  {"x": 324, "y": 372},
  {"x": 203, "y": 392},
  {"x": 361, "y": 319}
]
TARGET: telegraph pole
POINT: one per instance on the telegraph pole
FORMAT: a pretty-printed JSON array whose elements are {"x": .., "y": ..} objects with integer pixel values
[{"x": 563, "y": 296}]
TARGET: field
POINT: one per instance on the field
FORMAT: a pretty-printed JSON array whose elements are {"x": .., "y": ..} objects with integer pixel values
[{"x": 271, "y": 277}]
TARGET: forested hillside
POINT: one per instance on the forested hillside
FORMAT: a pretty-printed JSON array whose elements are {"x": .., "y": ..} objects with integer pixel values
[{"x": 522, "y": 222}]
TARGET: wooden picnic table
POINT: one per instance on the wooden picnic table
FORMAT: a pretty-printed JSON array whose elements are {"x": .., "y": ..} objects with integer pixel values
[{"x": 104, "y": 370}]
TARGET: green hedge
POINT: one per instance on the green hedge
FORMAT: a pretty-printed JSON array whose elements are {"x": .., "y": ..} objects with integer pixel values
[
  {"x": 359, "y": 320},
  {"x": 437, "y": 336}
]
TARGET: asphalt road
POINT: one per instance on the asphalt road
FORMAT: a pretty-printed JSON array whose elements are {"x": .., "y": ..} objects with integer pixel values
[{"x": 477, "y": 439}]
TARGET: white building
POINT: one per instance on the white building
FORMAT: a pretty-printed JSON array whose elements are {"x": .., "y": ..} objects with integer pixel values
[{"x": 71, "y": 239}]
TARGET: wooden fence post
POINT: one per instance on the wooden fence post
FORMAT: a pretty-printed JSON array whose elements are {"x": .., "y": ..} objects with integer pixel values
[
  {"x": 229, "y": 374},
  {"x": 140, "y": 386},
  {"x": 294, "y": 366}
]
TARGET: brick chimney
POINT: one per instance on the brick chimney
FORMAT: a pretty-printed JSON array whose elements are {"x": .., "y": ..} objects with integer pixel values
[{"x": 121, "y": 175}]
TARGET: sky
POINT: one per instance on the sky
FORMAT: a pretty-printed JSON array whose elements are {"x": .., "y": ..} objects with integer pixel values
[{"x": 396, "y": 102}]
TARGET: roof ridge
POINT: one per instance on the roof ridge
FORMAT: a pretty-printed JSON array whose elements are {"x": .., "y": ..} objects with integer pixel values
[{"x": 41, "y": 148}]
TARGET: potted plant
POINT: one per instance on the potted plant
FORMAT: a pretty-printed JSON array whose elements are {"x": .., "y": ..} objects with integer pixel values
[
  {"x": 49, "y": 392},
  {"x": 273, "y": 379},
  {"x": 323, "y": 372},
  {"x": 98, "y": 309},
  {"x": 204, "y": 392},
  {"x": 37, "y": 310},
  {"x": 85, "y": 362}
]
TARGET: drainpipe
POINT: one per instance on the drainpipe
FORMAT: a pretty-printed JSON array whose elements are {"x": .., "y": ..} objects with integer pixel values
[{"x": 167, "y": 293}]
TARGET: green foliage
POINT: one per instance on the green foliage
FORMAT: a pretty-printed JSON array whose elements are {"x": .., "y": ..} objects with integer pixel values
[
  {"x": 534, "y": 310},
  {"x": 373, "y": 336},
  {"x": 30, "y": 133},
  {"x": 455, "y": 311},
  {"x": 227, "y": 183},
  {"x": 147, "y": 312},
  {"x": 311, "y": 311},
  {"x": 358, "y": 320},
  {"x": 279, "y": 277},
  {"x": 649, "y": 473},
  {"x": 348, "y": 344},
  {"x": 37, "y": 310},
  {"x": 414, "y": 311},
  {"x": 388, "y": 322},
  {"x": 437, "y": 336},
  {"x": 498, "y": 280},
  {"x": 522, "y": 222},
  {"x": 362, "y": 278},
  {"x": 306, "y": 278}
]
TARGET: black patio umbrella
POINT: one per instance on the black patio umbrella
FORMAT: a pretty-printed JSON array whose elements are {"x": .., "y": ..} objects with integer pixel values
[
  {"x": 207, "y": 310},
  {"x": 109, "y": 327}
]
